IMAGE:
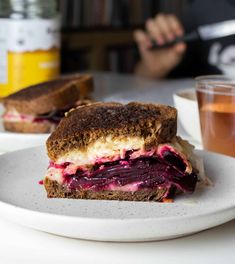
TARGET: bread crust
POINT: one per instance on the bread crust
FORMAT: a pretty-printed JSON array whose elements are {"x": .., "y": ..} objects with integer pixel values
[
  {"x": 55, "y": 190},
  {"x": 49, "y": 96},
  {"x": 85, "y": 84},
  {"x": 28, "y": 127},
  {"x": 154, "y": 123}
]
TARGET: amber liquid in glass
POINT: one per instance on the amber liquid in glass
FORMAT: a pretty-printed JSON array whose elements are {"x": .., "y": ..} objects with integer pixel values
[{"x": 217, "y": 118}]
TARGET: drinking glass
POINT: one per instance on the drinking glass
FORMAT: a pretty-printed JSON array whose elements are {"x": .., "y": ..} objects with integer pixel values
[{"x": 216, "y": 102}]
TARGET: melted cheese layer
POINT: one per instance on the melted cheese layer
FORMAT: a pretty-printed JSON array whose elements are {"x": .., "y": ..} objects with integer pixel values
[
  {"x": 15, "y": 116},
  {"x": 103, "y": 150}
]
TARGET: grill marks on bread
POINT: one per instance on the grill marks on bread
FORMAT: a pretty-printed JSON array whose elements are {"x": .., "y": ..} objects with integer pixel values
[{"x": 154, "y": 122}]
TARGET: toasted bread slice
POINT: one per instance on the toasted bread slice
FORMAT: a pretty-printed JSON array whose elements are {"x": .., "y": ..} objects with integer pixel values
[
  {"x": 85, "y": 84},
  {"x": 27, "y": 127},
  {"x": 152, "y": 123},
  {"x": 50, "y": 96},
  {"x": 55, "y": 190}
]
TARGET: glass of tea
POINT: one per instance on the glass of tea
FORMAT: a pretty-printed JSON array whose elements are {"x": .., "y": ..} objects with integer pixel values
[{"x": 216, "y": 102}]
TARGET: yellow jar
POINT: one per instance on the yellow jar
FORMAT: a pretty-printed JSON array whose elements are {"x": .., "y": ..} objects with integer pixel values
[{"x": 29, "y": 43}]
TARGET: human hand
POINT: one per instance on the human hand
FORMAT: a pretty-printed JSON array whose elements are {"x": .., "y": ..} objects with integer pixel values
[{"x": 158, "y": 63}]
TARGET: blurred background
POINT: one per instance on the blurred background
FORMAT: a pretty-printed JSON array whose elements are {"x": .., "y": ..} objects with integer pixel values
[{"x": 98, "y": 34}]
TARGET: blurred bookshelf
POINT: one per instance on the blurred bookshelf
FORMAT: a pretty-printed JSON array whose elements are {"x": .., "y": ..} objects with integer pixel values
[{"x": 98, "y": 34}]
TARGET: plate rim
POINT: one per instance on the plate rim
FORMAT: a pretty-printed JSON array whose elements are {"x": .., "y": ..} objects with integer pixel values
[
  {"x": 114, "y": 228},
  {"x": 85, "y": 218},
  {"x": 163, "y": 218}
]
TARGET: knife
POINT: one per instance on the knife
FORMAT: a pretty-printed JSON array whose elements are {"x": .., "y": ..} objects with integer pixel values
[{"x": 204, "y": 32}]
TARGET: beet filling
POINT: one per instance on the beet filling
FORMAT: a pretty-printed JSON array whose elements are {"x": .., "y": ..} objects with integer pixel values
[{"x": 149, "y": 172}]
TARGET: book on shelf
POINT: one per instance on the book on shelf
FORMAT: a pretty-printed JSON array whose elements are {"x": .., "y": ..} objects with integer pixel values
[
  {"x": 117, "y": 58},
  {"x": 101, "y": 13}
]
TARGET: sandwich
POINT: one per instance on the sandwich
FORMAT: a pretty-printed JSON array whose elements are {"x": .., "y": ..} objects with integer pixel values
[
  {"x": 113, "y": 151},
  {"x": 39, "y": 108}
]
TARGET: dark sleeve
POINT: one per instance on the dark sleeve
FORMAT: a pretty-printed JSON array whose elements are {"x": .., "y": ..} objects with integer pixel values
[{"x": 194, "y": 62}]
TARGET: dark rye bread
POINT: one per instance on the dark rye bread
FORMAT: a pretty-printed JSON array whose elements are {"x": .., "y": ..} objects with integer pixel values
[
  {"x": 55, "y": 190},
  {"x": 156, "y": 123},
  {"x": 49, "y": 96},
  {"x": 27, "y": 127},
  {"x": 85, "y": 84}
]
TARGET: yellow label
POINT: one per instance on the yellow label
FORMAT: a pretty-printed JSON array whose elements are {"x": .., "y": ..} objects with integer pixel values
[{"x": 28, "y": 68}]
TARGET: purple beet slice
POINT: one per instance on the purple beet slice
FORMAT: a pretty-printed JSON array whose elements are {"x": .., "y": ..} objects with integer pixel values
[{"x": 148, "y": 172}]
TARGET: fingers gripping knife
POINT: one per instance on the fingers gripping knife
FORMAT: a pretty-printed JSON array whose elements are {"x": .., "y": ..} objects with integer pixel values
[{"x": 204, "y": 32}]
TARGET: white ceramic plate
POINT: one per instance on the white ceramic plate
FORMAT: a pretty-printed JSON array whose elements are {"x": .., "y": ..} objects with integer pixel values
[
  {"x": 23, "y": 200},
  {"x": 10, "y": 141}
]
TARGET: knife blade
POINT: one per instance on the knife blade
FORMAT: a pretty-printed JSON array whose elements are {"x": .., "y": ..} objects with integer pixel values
[{"x": 204, "y": 32}]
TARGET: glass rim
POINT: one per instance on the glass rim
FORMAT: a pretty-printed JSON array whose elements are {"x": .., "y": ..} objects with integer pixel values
[
  {"x": 215, "y": 77},
  {"x": 224, "y": 84}
]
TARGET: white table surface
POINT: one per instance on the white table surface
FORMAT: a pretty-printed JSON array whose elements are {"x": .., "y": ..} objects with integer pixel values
[{"x": 22, "y": 245}]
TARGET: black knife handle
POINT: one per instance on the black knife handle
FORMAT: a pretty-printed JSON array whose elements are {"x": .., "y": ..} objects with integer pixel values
[{"x": 186, "y": 38}]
